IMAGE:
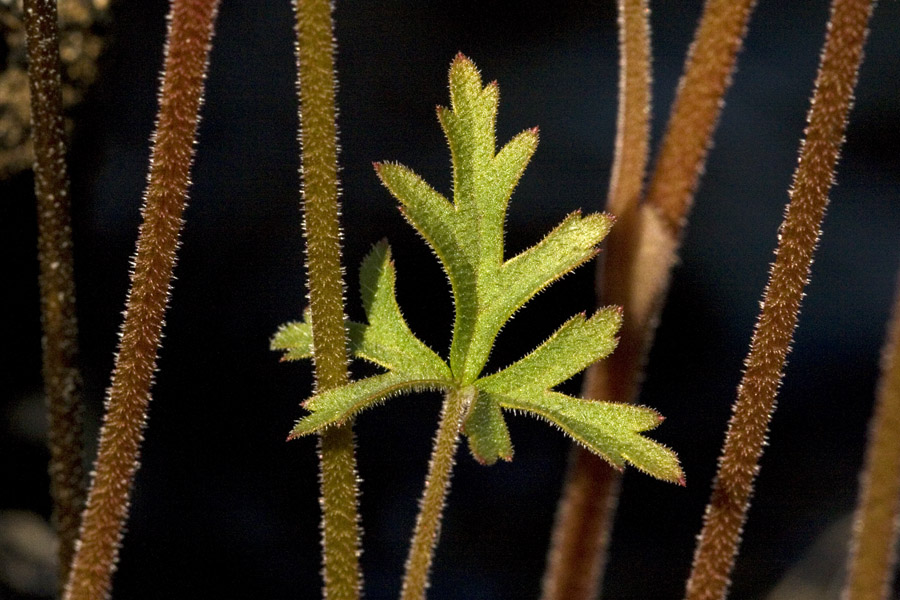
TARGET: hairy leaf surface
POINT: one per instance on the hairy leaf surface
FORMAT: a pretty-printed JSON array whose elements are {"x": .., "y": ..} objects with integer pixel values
[{"x": 467, "y": 236}]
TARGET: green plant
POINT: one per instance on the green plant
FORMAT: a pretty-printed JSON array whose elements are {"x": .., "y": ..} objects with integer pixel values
[
  {"x": 393, "y": 343},
  {"x": 467, "y": 237}
]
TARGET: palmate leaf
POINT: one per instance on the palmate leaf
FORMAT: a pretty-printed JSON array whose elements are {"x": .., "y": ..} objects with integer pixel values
[
  {"x": 610, "y": 430},
  {"x": 467, "y": 235},
  {"x": 468, "y": 238}
]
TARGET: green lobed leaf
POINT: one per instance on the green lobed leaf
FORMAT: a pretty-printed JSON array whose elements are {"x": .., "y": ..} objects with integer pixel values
[
  {"x": 295, "y": 339},
  {"x": 608, "y": 429},
  {"x": 387, "y": 340},
  {"x": 570, "y": 350},
  {"x": 467, "y": 235},
  {"x": 455, "y": 245},
  {"x": 468, "y": 238},
  {"x": 569, "y": 245},
  {"x": 503, "y": 175},
  {"x": 486, "y": 430},
  {"x": 340, "y": 404}
]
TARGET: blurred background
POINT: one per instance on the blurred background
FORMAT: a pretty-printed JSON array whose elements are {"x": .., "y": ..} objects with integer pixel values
[{"x": 223, "y": 507}]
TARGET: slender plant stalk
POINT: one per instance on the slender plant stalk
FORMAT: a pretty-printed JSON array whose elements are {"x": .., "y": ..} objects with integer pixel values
[
  {"x": 62, "y": 380},
  {"x": 707, "y": 76},
  {"x": 874, "y": 545},
  {"x": 187, "y": 51},
  {"x": 575, "y": 562},
  {"x": 642, "y": 249},
  {"x": 725, "y": 515},
  {"x": 318, "y": 138},
  {"x": 437, "y": 484},
  {"x": 633, "y": 119}
]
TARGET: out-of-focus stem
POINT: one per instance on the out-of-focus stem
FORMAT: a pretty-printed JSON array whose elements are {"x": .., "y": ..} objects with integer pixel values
[
  {"x": 874, "y": 545},
  {"x": 321, "y": 211},
  {"x": 701, "y": 93},
  {"x": 62, "y": 380},
  {"x": 739, "y": 463},
  {"x": 580, "y": 536},
  {"x": 187, "y": 51},
  {"x": 633, "y": 119},
  {"x": 437, "y": 484},
  {"x": 641, "y": 250}
]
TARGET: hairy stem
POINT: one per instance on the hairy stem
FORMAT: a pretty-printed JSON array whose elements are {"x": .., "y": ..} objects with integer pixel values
[
  {"x": 707, "y": 76},
  {"x": 580, "y": 536},
  {"x": 62, "y": 380},
  {"x": 581, "y": 533},
  {"x": 437, "y": 484},
  {"x": 633, "y": 119},
  {"x": 187, "y": 50},
  {"x": 321, "y": 212},
  {"x": 641, "y": 251},
  {"x": 874, "y": 545},
  {"x": 739, "y": 463}
]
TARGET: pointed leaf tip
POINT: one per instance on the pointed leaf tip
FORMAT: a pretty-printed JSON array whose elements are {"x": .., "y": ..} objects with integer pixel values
[{"x": 467, "y": 233}]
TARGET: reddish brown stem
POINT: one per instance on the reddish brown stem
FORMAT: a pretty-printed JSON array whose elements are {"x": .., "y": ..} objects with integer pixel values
[
  {"x": 873, "y": 550},
  {"x": 695, "y": 113},
  {"x": 581, "y": 535},
  {"x": 633, "y": 119},
  {"x": 641, "y": 250},
  {"x": 187, "y": 51},
  {"x": 739, "y": 463},
  {"x": 62, "y": 381}
]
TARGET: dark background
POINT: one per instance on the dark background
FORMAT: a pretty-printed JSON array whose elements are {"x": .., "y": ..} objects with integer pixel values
[{"x": 223, "y": 507}]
